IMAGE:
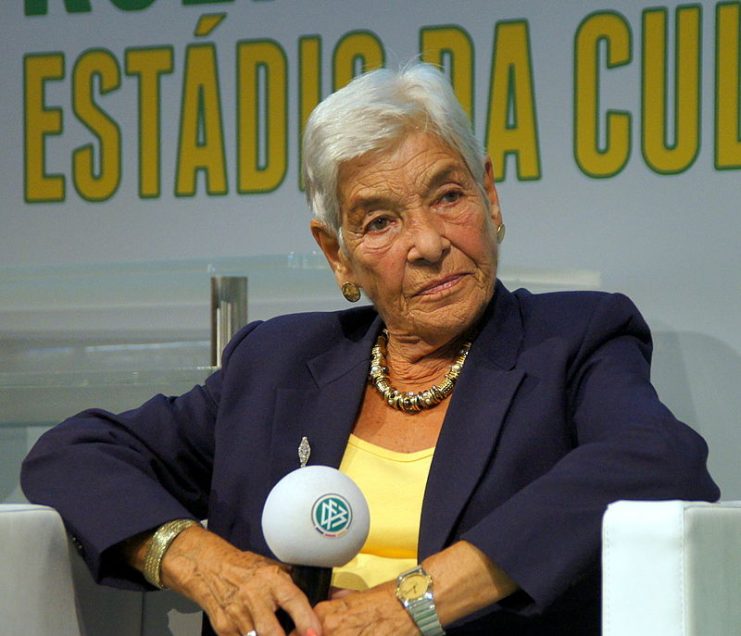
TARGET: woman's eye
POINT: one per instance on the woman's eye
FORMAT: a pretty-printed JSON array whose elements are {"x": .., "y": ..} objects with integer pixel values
[
  {"x": 451, "y": 196},
  {"x": 377, "y": 224}
]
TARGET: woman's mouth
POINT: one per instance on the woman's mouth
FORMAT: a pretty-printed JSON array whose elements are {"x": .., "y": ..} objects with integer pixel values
[{"x": 440, "y": 285}]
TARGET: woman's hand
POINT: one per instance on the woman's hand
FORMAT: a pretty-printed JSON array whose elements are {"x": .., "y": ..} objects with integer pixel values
[
  {"x": 240, "y": 591},
  {"x": 464, "y": 580},
  {"x": 374, "y": 611}
]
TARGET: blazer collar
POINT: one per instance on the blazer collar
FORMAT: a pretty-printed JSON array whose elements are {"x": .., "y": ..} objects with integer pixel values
[
  {"x": 501, "y": 334},
  {"x": 473, "y": 421},
  {"x": 325, "y": 412}
]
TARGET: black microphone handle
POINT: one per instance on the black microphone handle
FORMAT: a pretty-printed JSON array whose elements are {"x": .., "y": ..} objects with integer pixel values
[{"x": 314, "y": 582}]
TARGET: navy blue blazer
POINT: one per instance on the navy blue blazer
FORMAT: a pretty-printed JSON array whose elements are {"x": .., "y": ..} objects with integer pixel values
[{"x": 553, "y": 417}]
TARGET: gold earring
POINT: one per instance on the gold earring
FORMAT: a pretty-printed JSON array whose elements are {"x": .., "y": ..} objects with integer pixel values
[
  {"x": 500, "y": 232},
  {"x": 351, "y": 292}
]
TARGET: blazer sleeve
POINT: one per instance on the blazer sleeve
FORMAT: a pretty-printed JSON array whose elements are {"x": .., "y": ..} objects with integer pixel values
[
  {"x": 155, "y": 463},
  {"x": 626, "y": 445}
]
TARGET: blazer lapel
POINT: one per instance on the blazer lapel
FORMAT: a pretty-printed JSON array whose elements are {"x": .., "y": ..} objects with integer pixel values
[
  {"x": 325, "y": 411},
  {"x": 472, "y": 424}
]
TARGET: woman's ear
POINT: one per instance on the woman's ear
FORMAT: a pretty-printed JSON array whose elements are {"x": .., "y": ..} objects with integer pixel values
[
  {"x": 491, "y": 193},
  {"x": 330, "y": 246}
]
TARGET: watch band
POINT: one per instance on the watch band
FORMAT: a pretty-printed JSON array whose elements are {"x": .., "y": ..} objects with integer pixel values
[
  {"x": 422, "y": 609},
  {"x": 424, "y": 614}
]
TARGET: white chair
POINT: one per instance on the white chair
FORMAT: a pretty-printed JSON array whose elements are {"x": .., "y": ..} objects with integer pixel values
[
  {"x": 671, "y": 568},
  {"x": 46, "y": 589},
  {"x": 36, "y": 591}
]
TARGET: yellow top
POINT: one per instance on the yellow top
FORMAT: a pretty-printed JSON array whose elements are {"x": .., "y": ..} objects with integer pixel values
[{"x": 393, "y": 484}]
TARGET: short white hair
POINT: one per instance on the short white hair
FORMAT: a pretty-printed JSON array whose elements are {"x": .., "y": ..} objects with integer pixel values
[{"x": 372, "y": 113}]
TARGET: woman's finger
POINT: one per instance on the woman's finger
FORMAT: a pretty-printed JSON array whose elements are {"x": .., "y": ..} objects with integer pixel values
[
  {"x": 225, "y": 623},
  {"x": 339, "y": 592},
  {"x": 241, "y": 616},
  {"x": 240, "y": 591},
  {"x": 294, "y": 602}
]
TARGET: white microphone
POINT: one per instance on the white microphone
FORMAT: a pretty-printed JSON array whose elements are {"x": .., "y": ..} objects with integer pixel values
[{"x": 314, "y": 519}]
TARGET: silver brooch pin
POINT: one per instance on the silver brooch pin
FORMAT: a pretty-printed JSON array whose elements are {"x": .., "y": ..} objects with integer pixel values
[{"x": 304, "y": 452}]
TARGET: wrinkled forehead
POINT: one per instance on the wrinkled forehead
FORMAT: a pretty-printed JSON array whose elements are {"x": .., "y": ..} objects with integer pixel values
[
  {"x": 419, "y": 160},
  {"x": 414, "y": 166}
]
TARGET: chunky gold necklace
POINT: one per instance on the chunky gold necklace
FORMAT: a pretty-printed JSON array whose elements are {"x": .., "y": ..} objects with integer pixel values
[{"x": 410, "y": 401}]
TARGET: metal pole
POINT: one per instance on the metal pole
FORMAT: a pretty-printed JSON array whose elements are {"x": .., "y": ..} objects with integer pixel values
[{"x": 228, "y": 312}]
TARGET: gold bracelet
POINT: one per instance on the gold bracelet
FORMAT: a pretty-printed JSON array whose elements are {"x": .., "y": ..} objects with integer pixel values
[{"x": 158, "y": 545}]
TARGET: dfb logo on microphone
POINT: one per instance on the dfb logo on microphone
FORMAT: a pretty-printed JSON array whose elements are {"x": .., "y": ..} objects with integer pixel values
[{"x": 331, "y": 515}]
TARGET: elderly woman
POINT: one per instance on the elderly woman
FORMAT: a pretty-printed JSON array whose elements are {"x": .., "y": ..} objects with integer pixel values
[{"x": 488, "y": 429}]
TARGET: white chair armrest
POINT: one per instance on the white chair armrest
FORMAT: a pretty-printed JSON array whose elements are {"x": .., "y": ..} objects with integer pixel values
[
  {"x": 37, "y": 595},
  {"x": 671, "y": 568},
  {"x": 45, "y": 588}
]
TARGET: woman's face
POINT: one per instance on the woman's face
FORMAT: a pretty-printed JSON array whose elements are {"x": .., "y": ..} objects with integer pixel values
[{"x": 419, "y": 238}]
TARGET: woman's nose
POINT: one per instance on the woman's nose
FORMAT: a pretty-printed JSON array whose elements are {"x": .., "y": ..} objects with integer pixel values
[{"x": 427, "y": 238}]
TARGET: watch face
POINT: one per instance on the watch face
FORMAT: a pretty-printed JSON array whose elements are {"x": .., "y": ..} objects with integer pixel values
[{"x": 413, "y": 586}]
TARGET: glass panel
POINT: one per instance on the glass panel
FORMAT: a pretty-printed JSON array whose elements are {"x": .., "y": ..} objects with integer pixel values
[{"x": 112, "y": 335}]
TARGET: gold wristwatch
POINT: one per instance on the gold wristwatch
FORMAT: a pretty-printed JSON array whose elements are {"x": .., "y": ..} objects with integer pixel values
[{"x": 414, "y": 591}]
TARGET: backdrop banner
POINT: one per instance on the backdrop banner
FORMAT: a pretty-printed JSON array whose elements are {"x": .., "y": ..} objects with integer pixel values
[{"x": 163, "y": 130}]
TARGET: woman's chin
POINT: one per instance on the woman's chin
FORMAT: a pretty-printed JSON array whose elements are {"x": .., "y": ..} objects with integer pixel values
[{"x": 445, "y": 323}]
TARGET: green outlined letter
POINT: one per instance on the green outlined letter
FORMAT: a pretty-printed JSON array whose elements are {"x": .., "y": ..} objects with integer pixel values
[
  {"x": 660, "y": 154},
  {"x": 309, "y": 88},
  {"x": 38, "y": 123},
  {"x": 201, "y": 139},
  {"x": 262, "y": 98},
  {"x": 96, "y": 183},
  {"x": 148, "y": 65},
  {"x": 727, "y": 89},
  {"x": 451, "y": 47},
  {"x": 511, "y": 125},
  {"x": 41, "y": 7},
  {"x": 611, "y": 30},
  {"x": 357, "y": 52},
  {"x": 132, "y": 5}
]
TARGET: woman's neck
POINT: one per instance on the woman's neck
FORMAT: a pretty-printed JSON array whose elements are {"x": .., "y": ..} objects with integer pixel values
[{"x": 414, "y": 361}]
